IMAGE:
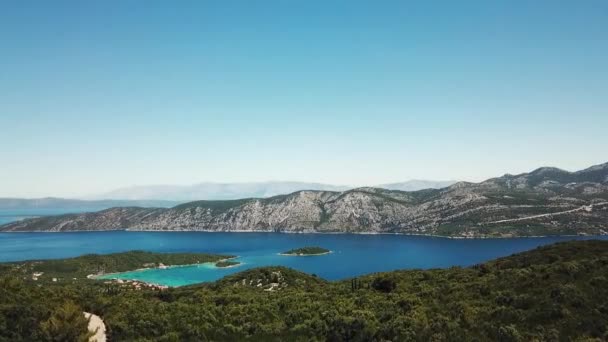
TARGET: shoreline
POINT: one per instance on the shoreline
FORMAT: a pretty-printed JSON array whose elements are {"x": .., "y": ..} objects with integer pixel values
[
  {"x": 304, "y": 255},
  {"x": 230, "y": 266},
  {"x": 96, "y": 276},
  {"x": 480, "y": 237}
]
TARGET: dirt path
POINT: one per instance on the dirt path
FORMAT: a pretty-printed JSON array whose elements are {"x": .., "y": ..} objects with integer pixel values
[
  {"x": 587, "y": 208},
  {"x": 97, "y": 326}
]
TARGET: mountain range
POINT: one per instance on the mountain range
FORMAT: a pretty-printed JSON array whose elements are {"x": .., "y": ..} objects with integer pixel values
[
  {"x": 227, "y": 191},
  {"x": 546, "y": 201},
  {"x": 165, "y": 196},
  {"x": 416, "y": 184}
]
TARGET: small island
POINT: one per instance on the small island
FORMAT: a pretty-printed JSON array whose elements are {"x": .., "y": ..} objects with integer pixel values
[
  {"x": 307, "y": 251},
  {"x": 226, "y": 263}
]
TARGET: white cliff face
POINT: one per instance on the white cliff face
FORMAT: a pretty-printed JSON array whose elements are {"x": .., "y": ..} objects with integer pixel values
[{"x": 463, "y": 209}]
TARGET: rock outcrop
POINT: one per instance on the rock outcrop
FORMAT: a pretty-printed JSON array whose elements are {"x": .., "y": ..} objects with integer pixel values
[{"x": 547, "y": 201}]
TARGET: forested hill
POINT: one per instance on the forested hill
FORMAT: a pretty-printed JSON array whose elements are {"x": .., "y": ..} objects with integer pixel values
[
  {"x": 546, "y": 201},
  {"x": 552, "y": 293}
]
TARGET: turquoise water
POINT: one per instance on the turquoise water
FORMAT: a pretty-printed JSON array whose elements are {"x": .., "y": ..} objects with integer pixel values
[
  {"x": 177, "y": 276},
  {"x": 352, "y": 254}
]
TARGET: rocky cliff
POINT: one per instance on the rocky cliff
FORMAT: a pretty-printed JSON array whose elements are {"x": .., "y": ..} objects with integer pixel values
[{"x": 547, "y": 201}]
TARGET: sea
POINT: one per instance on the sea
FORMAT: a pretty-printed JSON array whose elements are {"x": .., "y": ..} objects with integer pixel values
[{"x": 352, "y": 255}]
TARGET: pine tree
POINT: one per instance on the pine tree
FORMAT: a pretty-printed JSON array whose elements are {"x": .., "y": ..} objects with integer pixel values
[{"x": 67, "y": 323}]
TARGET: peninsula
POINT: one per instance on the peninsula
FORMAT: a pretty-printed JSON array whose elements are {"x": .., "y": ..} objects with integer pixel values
[
  {"x": 90, "y": 266},
  {"x": 226, "y": 263}
]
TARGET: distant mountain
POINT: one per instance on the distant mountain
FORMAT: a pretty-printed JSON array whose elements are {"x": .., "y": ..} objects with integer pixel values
[
  {"x": 215, "y": 191},
  {"x": 551, "y": 177},
  {"x": 416, "y": 184},
  {"x": 547, "y": 201},
  {"x": 228, "y": 191},
  {"x": 63, "y": 203}
]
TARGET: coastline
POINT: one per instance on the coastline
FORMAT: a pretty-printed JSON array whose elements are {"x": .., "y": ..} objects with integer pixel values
[
  {"x": 166, "y": 267},
  {"x": 230, "y": 266},
  {"x": 304, "y": 255},
  {"x": 307, "y": 232}
]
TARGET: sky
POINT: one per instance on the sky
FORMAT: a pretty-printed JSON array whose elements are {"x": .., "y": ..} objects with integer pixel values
[{"x": 97, "y": 95}]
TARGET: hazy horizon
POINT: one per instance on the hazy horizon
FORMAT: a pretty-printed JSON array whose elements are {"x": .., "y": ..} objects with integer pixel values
[
  {"x": 96, "y": 96},
  {"x": 102, "y": 195},
  {"x": 296, "y": 186}
]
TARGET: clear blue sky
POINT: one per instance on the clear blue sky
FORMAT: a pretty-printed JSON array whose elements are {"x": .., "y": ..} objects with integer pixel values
[{"x": 96, "y": 95}]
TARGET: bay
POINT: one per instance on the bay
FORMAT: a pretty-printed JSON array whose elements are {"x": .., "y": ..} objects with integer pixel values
[{"x": 352, "y": 255}]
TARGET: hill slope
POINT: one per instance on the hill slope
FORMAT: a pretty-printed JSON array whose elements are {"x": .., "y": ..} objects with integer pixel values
[
  {"x": 416, "y": 184},
  {"x": 552, "y": 293},
  {"x": 546, "y": 201}
]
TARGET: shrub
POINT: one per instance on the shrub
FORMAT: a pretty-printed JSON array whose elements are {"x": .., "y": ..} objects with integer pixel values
[{"x": 384, "y": 284}]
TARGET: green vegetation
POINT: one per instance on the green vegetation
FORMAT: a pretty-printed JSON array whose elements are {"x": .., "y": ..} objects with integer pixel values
[
  {"x": 284, "y": 276},
  {"x": 220, "y": 205},
  {"x": 304, "y": 251},
  {"x": 552, "y": 293},
  {"x": 67, "y": 323},
  {"x": 81, "y": 267},
  {"x": 226, "y": 263},
  {"x": 524, "y": 228}
]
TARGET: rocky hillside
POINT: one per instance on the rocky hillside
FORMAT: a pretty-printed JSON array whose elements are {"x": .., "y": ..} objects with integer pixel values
[{"x": 547, "y": 201}]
